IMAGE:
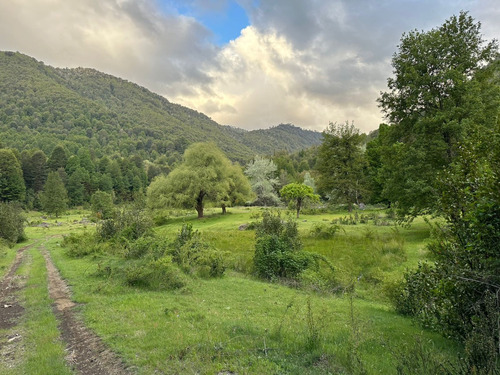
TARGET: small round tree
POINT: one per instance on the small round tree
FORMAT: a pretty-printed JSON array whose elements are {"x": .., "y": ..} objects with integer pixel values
[{"x": 298, "y": 192}]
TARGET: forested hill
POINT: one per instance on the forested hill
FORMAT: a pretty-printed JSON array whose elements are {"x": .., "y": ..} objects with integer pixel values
[{"x": 42, "y": 106}]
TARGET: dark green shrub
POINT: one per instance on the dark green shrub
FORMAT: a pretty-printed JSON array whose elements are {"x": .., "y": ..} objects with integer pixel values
[
  {"x": 12, "y": 222},
  {"x": 278, "y": 252},
  {"x": 101, "y": 204},
  {"x": 80, "y": 245}
]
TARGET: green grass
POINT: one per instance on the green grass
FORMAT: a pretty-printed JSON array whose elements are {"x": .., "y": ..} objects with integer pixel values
[{"x": 244, "y": 325}]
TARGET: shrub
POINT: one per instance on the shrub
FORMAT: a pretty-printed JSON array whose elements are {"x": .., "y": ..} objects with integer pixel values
[
  {"x": 127, "y": 223},
  {"x": 323, "y": 231},
  {"x": 196, "y": 256},
  {"x": 159, "y": 274},
  {"x": 80, "y": 245},
  {"x": 102, "y": 205},
  {"x": 278, "y": 249}
]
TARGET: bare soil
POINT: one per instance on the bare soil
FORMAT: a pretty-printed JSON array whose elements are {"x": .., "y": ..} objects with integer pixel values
[
  {"x": 11, "y": 311},
  {"x": 87, "y": 354}
]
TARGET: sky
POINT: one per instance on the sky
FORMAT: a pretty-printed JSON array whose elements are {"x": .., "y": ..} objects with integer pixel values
[{"x": 246, "y": 63}]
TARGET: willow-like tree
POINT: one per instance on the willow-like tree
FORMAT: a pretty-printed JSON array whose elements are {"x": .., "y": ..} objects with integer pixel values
[{"x": 205, "y": 175}]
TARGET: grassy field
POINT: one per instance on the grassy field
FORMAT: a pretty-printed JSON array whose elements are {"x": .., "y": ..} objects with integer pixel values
[{"x": 237, "y": 324}]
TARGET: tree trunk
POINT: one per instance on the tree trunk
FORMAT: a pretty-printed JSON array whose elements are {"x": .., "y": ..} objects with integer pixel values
[
  {"x": 223, "y": 209},
  {"x": 299, "y": 204},
  {"x": 199, "y": 204}
]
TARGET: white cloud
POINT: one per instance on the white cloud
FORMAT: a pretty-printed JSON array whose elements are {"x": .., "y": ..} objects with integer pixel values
[{"x": 307, "y": 62}]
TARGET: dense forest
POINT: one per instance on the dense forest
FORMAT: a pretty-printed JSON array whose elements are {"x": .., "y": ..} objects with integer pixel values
[{"x": 42, "y": 106}]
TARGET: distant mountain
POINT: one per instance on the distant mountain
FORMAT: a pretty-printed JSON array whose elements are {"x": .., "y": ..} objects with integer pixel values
[
  {"x": 282, "y": 137},
  {"x": 42, "y": 106}
]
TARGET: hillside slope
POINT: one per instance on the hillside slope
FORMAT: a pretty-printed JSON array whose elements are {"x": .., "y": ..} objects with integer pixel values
[{"x": 41, "y": 106}]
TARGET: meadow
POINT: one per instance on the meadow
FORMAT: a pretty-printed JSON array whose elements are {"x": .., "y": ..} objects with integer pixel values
[{"x": 237, "y": 324}]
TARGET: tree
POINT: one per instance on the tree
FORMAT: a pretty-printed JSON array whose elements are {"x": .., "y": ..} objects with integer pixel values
[
  {"x": 54, "y": 197},
  {"x": 12, "y": 186},
  {"x": 11, "y": 222},
  {"x": 239, "y": 191},
  {"x": 205, "y": 174},
  {"x": 440, "y": 89},
  {"x": 261, "y": 173},
  {"x": 102, "y": 205},
  {"x": 298, "y": 192},
  {"x": 58, "y": 158},
  {"x": 341, "y": 163}
]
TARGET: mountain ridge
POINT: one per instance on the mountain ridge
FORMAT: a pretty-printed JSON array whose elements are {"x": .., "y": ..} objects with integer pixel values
[{"x": 42, "y": 106}]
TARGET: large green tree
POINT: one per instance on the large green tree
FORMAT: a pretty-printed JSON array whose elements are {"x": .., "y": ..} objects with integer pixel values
[
  {"x": 439, "y": 93},
  {"x": 12, "y": 186},
  {"x": 54, "y": 196},
  {"x": 205, "y": 175},
  {"x": 341, "y": 164}
]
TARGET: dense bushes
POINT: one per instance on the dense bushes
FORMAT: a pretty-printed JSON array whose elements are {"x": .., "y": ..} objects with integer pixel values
[
  {"x": 11, "y": 222},
  {"x": 127, "y": 249},
  {"x": 278, "y": 253}
]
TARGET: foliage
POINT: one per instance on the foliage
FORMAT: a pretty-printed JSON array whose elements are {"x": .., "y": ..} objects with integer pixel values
[
  {"x": 126, "y": 224},
  {"x": 11, "y": 222},
  {"x": 12, "y": 186},
  {"x": 102, "y": 205},
  {"x": 205, "y": 175},
  {"x": 54, "y": 197},
  {"x": 278, "y": 253},
  {"x": 261, "y": 173},
  {"x": 459, "y": 293},
  {"x": 341, "y": 162},
  {"x": 442, "y": 90},
  {"x": 194, "y": 255},
  {"x": 299, "y": 193},
  {"x": 324, "y": 231}
]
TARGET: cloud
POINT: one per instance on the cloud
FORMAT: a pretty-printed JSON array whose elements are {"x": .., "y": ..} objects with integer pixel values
[
  {"x": 131, "y": 39},
  {"x": 307, "y": 62}
]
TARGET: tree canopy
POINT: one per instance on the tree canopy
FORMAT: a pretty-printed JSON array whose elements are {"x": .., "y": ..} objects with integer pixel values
[
  {"x": 299, "y": 193},
  {"x": 261, "y": 172},
  {"x": 341, "y": 164},
  {"x": 12, "y": 186},
  {"x": 205, "y": 174},
  {"x": 440, "y": 94},
  {"x": 54, "y": 196}
]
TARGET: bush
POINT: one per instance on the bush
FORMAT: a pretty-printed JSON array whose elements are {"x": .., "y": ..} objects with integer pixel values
[
  {"x": 195, "y": 256},
  {"x": 80, "y": 245},
  {"x": 278, "y": 252},
  {"x": 129, "y": 224},
  {"x": 323, "y": 231},
  {"x": 159, "y": 274},
  {"x": 12, "y": 222}
]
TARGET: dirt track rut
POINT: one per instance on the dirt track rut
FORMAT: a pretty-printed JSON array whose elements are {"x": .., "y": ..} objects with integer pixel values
[{"x": 86, "y": 353}]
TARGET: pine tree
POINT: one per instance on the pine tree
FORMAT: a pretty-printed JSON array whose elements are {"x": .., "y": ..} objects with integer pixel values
[{"x": 54, "y": 196}]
